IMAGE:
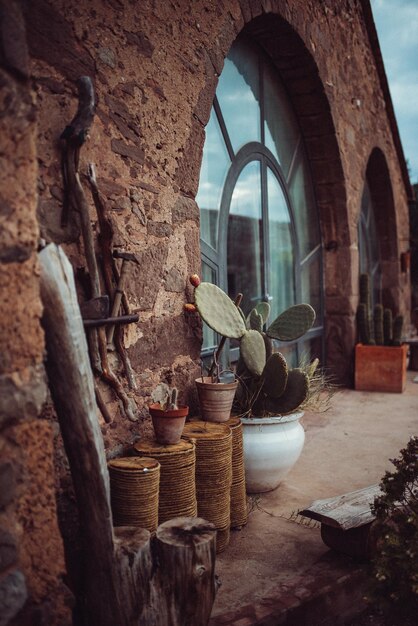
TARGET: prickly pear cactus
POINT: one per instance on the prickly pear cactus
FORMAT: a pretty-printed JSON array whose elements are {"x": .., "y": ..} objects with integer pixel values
[
  {"x": 292, "y": 323},
  {"x": 219, "y": 311},
  {"x": 295, "y": 394},
  {"x": 255, "y": 320},
  {"x": 253, "y": 351},
  {"x": 275, "y": 376},
  {"x": 266, "y": 385},
  {"x": 263, "y": 308}
]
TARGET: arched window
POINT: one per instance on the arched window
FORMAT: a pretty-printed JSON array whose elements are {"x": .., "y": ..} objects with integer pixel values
[
  {"x": 259, "y": 226},
  {"x": 368, "y": 245}
]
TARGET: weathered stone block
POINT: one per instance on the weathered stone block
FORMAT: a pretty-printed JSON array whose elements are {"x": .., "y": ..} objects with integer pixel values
[
  {"x": 13, "y": 48},
  {"x": 132, "y": 152},
  {"x": 174, "y": 281},
  {"x": 22, "y": 394},
  {"x": 159, "y": 229},
  {"x": 8, "y": 550},
  {"x": 7, "y": 483},
  {"x": 184, "y": 209},
  {"x": 146, "y": 278},
  {"x": 13, "y": 594}
]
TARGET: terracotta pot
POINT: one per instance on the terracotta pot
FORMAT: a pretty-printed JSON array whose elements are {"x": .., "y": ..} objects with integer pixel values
[
  {"x": 380, "y": 368},
  {"x": 272, "y": 445},
  {"x": 215, "y": 399},
  {"x": 168, "y": 425}
]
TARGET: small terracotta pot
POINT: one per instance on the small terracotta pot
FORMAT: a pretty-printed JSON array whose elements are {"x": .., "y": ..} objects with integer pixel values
[
  {"x": 168, "y": 425},
  {"x": 215, "y": 399}
]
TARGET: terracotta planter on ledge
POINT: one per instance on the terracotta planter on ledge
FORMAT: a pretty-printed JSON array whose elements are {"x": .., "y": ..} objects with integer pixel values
[
  {"x": 168, "y": 425},
  {"x": 380, "y": 368},
  {"x": 215, "y": 399}
]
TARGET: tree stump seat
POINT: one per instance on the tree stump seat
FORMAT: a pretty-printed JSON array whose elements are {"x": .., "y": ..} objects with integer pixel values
[{"x": 346, "y": 521}]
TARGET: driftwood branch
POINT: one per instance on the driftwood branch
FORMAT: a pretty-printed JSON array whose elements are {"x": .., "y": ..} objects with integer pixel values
[
  {"x": 110, "y": 272},
  {"x": 74, "y": 136}
]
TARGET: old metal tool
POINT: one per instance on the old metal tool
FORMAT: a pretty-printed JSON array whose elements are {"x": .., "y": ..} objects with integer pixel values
[{"x": 120, "y": 289}]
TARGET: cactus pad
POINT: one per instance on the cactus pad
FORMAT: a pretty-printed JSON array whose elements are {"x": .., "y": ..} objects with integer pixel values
[
  {"x": 275, "y": 375},
  {"x": 241, "y": 312},
  {"x": 264, "y": 309},
  {"x": 256, "y": 320},
  {"x": 253, "y": 351},
  {"x": 294, "y": 395},
  {"x": 219, "y": 311},
  {"x": 292, "y": 323}
]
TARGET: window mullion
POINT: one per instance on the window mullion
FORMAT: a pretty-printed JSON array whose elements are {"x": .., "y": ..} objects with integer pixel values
[
  {"x": 224, "y": 130},
  {"x": 265, "y": 231},
  {"x": 293, "y": 161},
  {"x": 262, "y": 104}
]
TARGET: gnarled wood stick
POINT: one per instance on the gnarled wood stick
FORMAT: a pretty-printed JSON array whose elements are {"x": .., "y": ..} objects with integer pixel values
[
  {"x": 74, "y": 135},
  {"x": 110, "y": 272}
]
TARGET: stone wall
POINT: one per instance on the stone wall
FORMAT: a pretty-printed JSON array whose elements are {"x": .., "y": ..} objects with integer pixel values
[
  {"x": 31, "y": 549},
  {"x": 155, "y": 66}
]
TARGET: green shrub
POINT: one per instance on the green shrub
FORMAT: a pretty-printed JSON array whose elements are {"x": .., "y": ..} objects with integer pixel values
[{"x": 395, "y": 564}]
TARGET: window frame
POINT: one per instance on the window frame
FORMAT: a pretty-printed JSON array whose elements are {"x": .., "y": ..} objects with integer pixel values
[{"x": 217, "y": 258}]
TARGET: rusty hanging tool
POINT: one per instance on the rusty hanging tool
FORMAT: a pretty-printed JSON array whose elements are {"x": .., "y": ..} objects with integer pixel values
[
  {"x": 110, "y": 271},
  {"x": 74, "y": 135},
  {"x": 120, "y": 289}
]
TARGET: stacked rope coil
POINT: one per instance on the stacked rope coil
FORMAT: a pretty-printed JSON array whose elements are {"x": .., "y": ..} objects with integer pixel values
[
  {"x": 213, "y": 475},
  {"x": 239, "y": 513},
  {"x": 134, "y": 487},
  {"x": 177, "y": 477}
]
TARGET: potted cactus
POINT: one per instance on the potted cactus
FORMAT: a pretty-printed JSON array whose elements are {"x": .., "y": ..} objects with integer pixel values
[
  {"x": 270, "y": 394},
  {"x": 168, "y": 418},
  {"x": 380, "y": 356},
  {"x": 216, "y": 391}
]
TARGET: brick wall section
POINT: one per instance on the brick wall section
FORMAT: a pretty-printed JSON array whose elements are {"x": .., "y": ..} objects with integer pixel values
[{"x": 31, "y": 550}]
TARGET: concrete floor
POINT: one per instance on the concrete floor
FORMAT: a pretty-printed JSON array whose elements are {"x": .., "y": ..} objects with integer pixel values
[{"x": 346, "y": 448}]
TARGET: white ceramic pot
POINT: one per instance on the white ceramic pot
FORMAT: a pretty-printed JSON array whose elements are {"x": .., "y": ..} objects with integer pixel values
[{"x": 272, "y": 445}]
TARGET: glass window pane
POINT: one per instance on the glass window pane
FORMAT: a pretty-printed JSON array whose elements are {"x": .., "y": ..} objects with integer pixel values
[
  {"x": 306, "y": 219},
  {"x": 209, "y": 335},
  {"x": 310, "y": 349},
  {"x": 368, "y": 245},
  {"x": 280, "y": 127},
  {"x": 311, "y": 286},
  {"x": 238, "y": 95},
  {"x": 214, "y": 168},
  {"x": 245, "y": 238},
  {"x": 281, "y": 279}
]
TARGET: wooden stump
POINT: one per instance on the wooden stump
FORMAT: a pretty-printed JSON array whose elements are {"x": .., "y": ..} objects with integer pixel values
[
  {"x": 186, "y": 546},
  {"x": 347, "y": 521}
]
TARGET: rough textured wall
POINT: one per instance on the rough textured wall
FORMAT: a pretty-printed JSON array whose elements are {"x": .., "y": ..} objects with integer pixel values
[
  {"x": 155, "y": 65},
  {"x": 31, "y": 550}
]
